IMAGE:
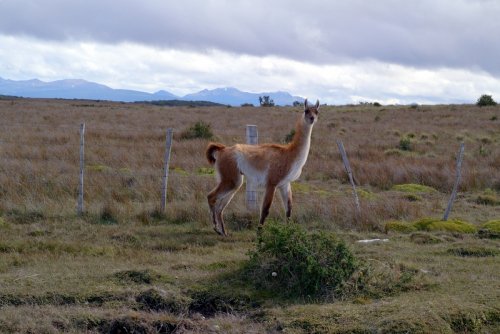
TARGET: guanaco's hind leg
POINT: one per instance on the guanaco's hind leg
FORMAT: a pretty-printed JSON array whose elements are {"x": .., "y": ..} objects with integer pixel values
[
  {"x": 223, "y": 201},
  {"x": 286, "y": 197},
  {"x": 266, "y": 204},
  {"x": 220, "y": 197}
]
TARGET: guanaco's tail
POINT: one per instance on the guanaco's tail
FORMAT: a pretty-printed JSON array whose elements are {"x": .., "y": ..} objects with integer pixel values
[{"x": 212, "y": 147}]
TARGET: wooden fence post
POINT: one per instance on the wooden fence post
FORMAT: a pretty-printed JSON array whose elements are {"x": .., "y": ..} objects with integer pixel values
[
  {"x": 462, "y": 147},
  {"x": 346, "y": 163},
  {"x": 251, "y": 194},
  {"x": 165, "y": 170},
  {"x": 80, "y": 183}
]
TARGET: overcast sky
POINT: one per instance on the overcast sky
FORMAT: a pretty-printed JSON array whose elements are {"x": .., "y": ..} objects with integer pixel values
[{"x": 424, "y": 51}]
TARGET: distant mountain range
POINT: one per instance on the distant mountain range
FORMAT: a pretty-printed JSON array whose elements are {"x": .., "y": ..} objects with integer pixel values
[{"x": 82, "y": 89}]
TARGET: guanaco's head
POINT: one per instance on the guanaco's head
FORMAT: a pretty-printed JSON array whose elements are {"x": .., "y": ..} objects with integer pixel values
[{"x": 310, "y": 112}]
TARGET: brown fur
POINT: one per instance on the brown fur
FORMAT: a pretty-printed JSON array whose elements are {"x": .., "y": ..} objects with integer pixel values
[{"x": 273, "y": 166}]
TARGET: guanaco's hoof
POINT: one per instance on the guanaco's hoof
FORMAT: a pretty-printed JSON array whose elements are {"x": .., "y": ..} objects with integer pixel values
[{"x": 219, "y": 232}]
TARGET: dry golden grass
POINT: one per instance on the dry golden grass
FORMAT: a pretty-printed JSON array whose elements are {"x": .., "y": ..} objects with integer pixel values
[{"x": 124, "y": 265}]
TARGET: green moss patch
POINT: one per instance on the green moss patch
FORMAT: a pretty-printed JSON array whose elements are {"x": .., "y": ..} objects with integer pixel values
[
  {"x": 451, "y": 225},
  {"x": 205, "y": 171},
  {"x": 431, "y": 225},
  {"x": 2, "y": 222},
  {"x": 178, "y": 170},
  {"x": 300, "y": 188},
  {"x": 416, "y": 188},
  {"x": 492, "y": 225},
  {"x": 399, "y": 227}
]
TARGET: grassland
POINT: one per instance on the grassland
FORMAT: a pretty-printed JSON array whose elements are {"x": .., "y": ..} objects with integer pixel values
[{"x": 126, "y": 266}]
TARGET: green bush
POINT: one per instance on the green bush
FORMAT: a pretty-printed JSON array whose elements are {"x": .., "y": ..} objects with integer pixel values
[
  {"x": 376, "y": 104},
  {"x": 295, "y": 263},
  {"x": 200, "y": 129},
  {"x": 289, "y": 136},
  {"x": 405, "y": 144},
  {"x": 485, "y": 100}
]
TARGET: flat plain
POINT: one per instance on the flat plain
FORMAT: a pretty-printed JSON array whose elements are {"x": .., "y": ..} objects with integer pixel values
[{"x": 127, "y": 266}]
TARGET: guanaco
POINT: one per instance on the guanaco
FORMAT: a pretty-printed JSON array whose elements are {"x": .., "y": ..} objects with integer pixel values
[{"x": 268, "y": 166}]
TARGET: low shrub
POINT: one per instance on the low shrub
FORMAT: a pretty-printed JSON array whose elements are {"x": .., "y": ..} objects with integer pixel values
[
  {"x": 289, "y": 260},
  {"x": 405, "y": 144},
  {"x": 200, "y": 129}
]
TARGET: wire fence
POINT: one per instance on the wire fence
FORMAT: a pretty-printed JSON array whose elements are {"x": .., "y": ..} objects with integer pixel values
[{"x": 40, "y": 165}]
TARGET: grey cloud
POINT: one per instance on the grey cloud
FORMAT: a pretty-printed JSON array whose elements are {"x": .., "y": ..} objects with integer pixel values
[{"x": 427, "y": 33}]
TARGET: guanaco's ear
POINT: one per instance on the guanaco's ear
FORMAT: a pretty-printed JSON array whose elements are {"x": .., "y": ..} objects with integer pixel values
[
  {"x": 305, "y": 104},
  {"x": 317, "y": 105}
]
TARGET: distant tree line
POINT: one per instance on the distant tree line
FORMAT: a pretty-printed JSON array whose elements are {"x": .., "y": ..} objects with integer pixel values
[
  {"x": 9, "y": 97},
  {"x": 181, "y": 103}
]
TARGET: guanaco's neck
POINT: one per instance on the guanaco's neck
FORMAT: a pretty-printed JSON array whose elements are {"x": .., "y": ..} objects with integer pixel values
[{"x": 302, "y": 138}]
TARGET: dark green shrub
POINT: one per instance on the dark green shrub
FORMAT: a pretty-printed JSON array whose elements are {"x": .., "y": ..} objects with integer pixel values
[
  {"x": 289, "y": 136},
  {"x": 109, "y": 215},
  {"x": 405, "y": 144},
  {"x": 247, "y": 105},
  {"x": 376, "y": 104},
  {"x": 200, "y": 129},
  {"x": 297, "y": 104},
  {"x": 293, "y": 262},
  {"x": 485, "y": 100}
]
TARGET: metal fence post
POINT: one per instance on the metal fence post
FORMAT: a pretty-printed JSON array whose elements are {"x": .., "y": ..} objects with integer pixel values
[
  {"x": 462, "y": 147},
  {"x": 80, "y": 188},
  {"x": 346, "y": 163},
  {"x": 165, "y": 171}
]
